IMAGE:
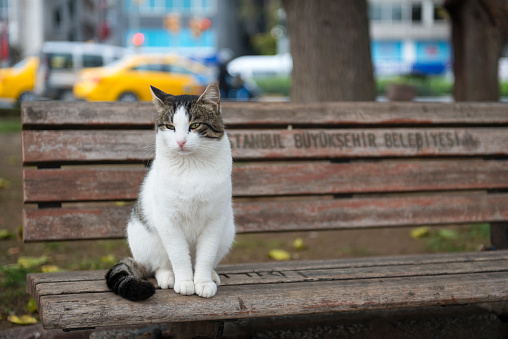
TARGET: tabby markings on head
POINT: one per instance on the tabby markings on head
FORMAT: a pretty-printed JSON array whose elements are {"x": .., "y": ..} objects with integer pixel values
[{"x": 204, "y": 110}]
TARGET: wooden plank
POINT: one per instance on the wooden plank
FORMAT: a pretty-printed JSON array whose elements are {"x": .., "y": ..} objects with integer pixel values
[
  {"x": 51, "y": 114},
  {"x": 137, "y": 146},
  {"x": 246, "y": 301},
  {"x": 301, "y": 215},
  {"x": 371, "y": 212},
  {"x": 81, "y": 184},
  {"x": 76, "y": 146},
  {"x": 33, "y": 279},
  {"x": 301, "y": 275},
  {"x": 75, "y": 223},
  {"x": 99, "y": 184}
]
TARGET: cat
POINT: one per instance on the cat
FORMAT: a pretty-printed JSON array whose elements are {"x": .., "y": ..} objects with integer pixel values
[{"x": 182, "y": 223}]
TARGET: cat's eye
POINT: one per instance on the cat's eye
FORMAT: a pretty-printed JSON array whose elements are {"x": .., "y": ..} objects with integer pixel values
[
  {"x": 195, "y": 125},
  {"x": 168, "y": 126}
]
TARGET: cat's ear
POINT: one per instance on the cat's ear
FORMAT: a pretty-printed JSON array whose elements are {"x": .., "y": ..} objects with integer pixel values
[
  {"x": 159, "y": 96},
  {"x": 211, "y": 94}
]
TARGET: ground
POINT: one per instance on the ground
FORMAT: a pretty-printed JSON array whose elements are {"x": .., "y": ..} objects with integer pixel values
[{"x": 18, "y": 258}]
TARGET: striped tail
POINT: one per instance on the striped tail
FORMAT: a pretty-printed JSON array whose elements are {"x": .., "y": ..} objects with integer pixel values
[{"x": 125, "y": 279}]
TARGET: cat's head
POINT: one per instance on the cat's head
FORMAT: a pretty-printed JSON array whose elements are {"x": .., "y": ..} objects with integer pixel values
[{"x": 187, "y": 124}]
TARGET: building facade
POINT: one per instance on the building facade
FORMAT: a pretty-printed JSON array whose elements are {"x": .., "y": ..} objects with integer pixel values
[{"x": 410, "y": 36}]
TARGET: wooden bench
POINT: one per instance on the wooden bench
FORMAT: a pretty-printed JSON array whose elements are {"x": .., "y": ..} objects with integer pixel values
[{"x": 323, "y": 166}]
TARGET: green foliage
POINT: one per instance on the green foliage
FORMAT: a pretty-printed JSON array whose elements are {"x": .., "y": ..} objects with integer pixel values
[
  {"x": 503, "y": 89},
  {"x": 425, "y": 85},
  {"x": 459, "y": 239},
  {"x": 264, "y": 44},
  {"x": 12, "y": 285},
  {"x": 10, "y": 124},
  {"x": 274, "y": 85}
]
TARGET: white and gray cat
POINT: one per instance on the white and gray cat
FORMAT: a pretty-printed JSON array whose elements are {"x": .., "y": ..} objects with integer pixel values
[{"x": 182, "y": 224}]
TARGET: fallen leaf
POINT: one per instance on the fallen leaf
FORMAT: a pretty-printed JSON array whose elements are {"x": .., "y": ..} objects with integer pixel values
[
  {"x": 108, "y": 259},
  {"x": 6, "y": 234},
  {"x": 4, "y": 183},
  {"x": 22, "y": 320},
  {"x": 121, "y": 203},
  {"x": 32, "y": 306},
  {"x": 30, "y": 262},
  {"x": 279, "y": 254},
  {"x": 50, "y": 268},
  {"x": 420, "y": 232},
  {"x": 298, "y": 244}
]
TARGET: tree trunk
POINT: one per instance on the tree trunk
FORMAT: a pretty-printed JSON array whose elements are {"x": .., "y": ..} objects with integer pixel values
[
  {"x": 478, "y": 36},
  {"x": 330, "y": 46}
]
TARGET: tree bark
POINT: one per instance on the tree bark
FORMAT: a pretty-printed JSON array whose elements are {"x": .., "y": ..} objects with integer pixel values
[
  {"x": 479, "y": 32},
  {"x": 330, "y": 46}
]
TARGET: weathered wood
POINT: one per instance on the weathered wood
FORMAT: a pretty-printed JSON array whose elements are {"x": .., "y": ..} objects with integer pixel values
[
  {"x": 252, "y": 269},
  {"x": 75, "y": 223},
  {"x": 197, "y": 329},
  {"x": 300, "y": 215},
  {"x": 273, "y": 276},
  {"x": 137, "y": 146},
  {"x": 52, "y": 114},
  {"x": 288, "y": 191},
  {"x": 99, "y": 184},
  {"x": 242, "y": 301}
]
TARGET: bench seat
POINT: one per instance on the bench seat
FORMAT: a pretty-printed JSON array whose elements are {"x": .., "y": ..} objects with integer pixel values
[{"x": 82, "y": 300}]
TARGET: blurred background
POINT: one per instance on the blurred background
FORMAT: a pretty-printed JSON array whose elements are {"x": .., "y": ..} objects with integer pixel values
[
  {"x": 106, "y": 50},
  {"x": 298, "y": 50}
]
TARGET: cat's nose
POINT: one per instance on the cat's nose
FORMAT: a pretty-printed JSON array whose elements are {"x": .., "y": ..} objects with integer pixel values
[{"x": 181, "y": 143}]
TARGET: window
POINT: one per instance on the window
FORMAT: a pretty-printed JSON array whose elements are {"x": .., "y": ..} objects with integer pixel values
[
  {"x": 60, "y": 61},
  {"x": 92, "y": 60},
  {"x": 440, "y": 13},
  {"x": 158, "y": 7},
  {"x": 396, "y": 12},
  {"x": 375, "y": 12},
  {"x": 20, "y": 64},
  {"x": 179, "y": 70},
  {"x": 416, "y": 13},
  {"x": 57, "y": 18},
  {"x": 152, "y": 67}
]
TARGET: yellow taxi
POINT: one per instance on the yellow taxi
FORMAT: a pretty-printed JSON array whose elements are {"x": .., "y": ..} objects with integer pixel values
[
  {"x": 17, "y": 82},
  {"x": 129, "y": 79}
]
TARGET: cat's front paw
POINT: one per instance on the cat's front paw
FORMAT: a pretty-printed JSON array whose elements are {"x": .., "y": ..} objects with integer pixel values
[
  {"x": 215, "y": 278},
  {"x": 184, "y": 287},
  {"x": 206, "y": 289},
  {"x": 165, "y": 279}
]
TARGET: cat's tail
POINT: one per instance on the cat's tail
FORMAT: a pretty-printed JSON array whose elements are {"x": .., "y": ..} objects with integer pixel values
[{"x": 125, "y": 279}]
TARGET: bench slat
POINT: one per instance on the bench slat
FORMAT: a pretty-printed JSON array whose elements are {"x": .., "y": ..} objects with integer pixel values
[
  {"x": 34, "y": 279},
  {"x": 77, "y": 146},
  {"x": 241, "y": 301},
  {"x": 299, "y": 275},
  {"x": 300, "y": 215},
  {"x": 278, "y": 179},
  {"x": 52, "y": 114}
]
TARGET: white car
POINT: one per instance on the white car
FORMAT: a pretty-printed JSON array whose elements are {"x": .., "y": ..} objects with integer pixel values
[{"x": 252, "y": 66}]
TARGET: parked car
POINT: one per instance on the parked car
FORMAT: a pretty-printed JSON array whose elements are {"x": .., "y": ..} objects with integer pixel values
[
  {"x": 259, "y": 66},
  {"x": 129, "y": 79},
  {"x": 61, "y": 61},
  {"x": 17, "y": 82}
]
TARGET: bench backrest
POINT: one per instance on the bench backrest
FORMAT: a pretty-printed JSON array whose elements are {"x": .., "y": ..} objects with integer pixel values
[{"x": 297, "y": 167}]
